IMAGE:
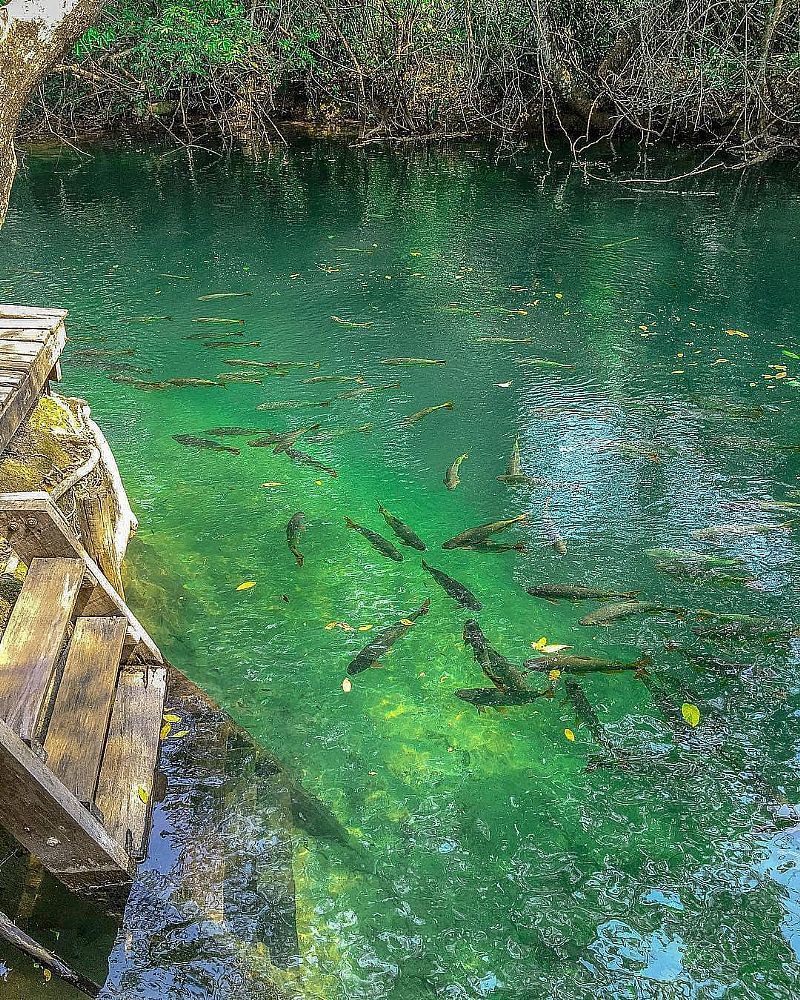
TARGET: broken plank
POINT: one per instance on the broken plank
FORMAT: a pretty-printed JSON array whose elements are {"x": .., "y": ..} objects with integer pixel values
[
  {"x": 129, "y": 761},
  {"x": 83, "y": 704},
  {"x": 32, "y": 640}
]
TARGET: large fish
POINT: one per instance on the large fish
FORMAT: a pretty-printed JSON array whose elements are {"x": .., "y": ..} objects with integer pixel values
[
  {"x": 474, "y": 536},
  {"x": 723, "y": 532},
  {"x": 304, "y": 459},
  {"x": 233, "y": 431},
  {"x": 582, "y": 664},
  {"x": 413, "y": 361},
  {"x": 290, "y": 404},
  {"x": 613, "y": 612},
  {"x": 296, "y": 525},
  {"x": 495, "y": 698},
  {"x": 383, "y": 545},
  {"x": 451, "y": 477},
  {"x": 197, "y": 442},
  {"x": 513, "y": 471},
  {"x": 288, "y": 440},
  {"x": 578, "y": 592},
  {"x": 500, "y": 671},
  {"x": 489, "y": 547},
  {"x": 453, "y": 588},
  {"x": 381, "y": 644},
  {"x": 402, "y": 530},
  {"x": 414, "y": 418}
]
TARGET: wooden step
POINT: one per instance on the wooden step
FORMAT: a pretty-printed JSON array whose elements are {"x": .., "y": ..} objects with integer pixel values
[
  {"x": 78, "y": 726},
  {"x": 131, "y": 754},
  {"x": 33, "y": 638}
]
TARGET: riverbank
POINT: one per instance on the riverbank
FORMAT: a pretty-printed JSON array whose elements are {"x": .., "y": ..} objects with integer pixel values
[{"x": 727, "y": 77}]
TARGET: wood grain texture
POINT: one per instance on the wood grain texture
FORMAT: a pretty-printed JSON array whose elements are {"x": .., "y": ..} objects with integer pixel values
[
  {"x": 131, "y": 754},
  {"x": 36, "y": 371},
  {"x": 32, "y": 640},
  {"x": 28, "y": 312},
  {"x": 41, "y": 814},
  {"x": 78, "y": 726}
]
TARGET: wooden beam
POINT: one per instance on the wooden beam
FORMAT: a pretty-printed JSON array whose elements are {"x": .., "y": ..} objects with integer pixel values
[
  {"x": 23, "y": 942},
  {"x": 78, "y": 726},
  {"x": 50, "y": 822},
  {"x": 33, "y": 638},
  {"x": 17, "y": 407},
  {"x": 28, "y": 312},
  {"x": 35, "y": 527}
]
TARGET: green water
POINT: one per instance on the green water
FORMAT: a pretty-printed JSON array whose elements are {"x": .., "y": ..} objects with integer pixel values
[{"x": 507, "y": 860}]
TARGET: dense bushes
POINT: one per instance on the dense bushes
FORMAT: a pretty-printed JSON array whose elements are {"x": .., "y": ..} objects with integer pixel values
[{"x": 400, "y": 67}]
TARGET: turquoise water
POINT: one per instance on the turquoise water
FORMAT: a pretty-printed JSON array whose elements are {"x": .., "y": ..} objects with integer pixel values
[{"x": 654, "y": 388}]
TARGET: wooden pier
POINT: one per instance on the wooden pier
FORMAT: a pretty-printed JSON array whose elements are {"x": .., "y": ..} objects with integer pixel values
[{"x": 82, "y": 684}]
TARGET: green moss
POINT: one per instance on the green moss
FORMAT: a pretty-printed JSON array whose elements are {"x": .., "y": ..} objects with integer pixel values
[{"x": 38, "y": 453}]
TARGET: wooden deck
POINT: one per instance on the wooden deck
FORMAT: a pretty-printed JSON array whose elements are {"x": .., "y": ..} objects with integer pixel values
[
  {"x": 82, "y": 684},
  {"x": 31, "y": 341}
]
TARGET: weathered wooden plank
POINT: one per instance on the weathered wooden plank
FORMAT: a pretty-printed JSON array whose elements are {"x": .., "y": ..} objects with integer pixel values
[
  {"x": 32, "y": 334},
  {"x": 50, "y": 823},
  {"x": 17, "y": 407},
  {"x": 32, "y": 640},
  {"x": 30, "y": 323},
  {"x": 26, "y": 312},
  {"x": 25, "y": 349},
  {"x": 78, "y": 726},
  {"x": 131, "y": 754},
  {"x": 35, "y": 527}
]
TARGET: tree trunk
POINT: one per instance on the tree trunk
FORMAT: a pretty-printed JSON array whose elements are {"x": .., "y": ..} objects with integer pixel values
[{"x": 34, "y": 34}]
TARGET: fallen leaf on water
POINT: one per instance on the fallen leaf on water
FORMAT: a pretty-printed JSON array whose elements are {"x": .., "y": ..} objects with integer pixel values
[
  {"x": 166, "y": 729},
  {"x": 737, "y": 333},
  {"x": 143, "y": 794},
  {"x": 570, "y": 735},
  {"x": 503, "y": 385},
  {"x": 270, "y": 486},
  {"x": 172, "y": 718},
  {"x": 247, "y": 585},
  {"x": 791, "y": 354},
  {"x": 691, "y": 713},
  {"x": 554, "y": 675},
  {"x": 329, "y": 626},
  {"x": 179, "y": 735},
  {"x": 364, "y": 628},
  {"x": 643, "y": 327},
  {"x": 559, "y": 295},
  {"x": 540, "y": 643},
  {"x": 406, "y": 622},
  {"x": 48, "y": 975},
  {"x": 347, "y": 685}
]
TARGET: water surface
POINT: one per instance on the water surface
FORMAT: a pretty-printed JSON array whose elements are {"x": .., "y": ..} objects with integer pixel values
[{"x": 653, "y": 385}]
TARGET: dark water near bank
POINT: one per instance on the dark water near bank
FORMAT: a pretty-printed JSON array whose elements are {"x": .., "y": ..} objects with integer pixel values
[{"x": 503, "y": 858}]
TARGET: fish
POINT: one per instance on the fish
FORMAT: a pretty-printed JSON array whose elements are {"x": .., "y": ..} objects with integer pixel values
[
  {"x": 90, "y": 352},
  {"x": 414, "y": 418},
  {"x": 249, "y": 363},
  {"x": 451, "y": 477},
  {"x": 402, "y": 530},
  {"x": 238, "y": 377},
  {"x": 241, "y": 431},
  {"x": 474, "y": 536},
  {"x": 288, "y": 440},
  {"x": 227, "y": 343},
  {"x": 489, "y": 547},
  {"x": 204, "y": 333},
  {"x": 720, "y": 532},
  {"x": 366, "y": 390},
  {"x": 197, "y": 442},
  {"x": 290, "y": 404},
  {"x": 578, "y": 592},
  {"x": 304, "y": 459},
  {"x": 350, "y": 324},
  {"x": 182, "y": 383},
  {"x": 613, "y": 612},
  {"x": 223, "y": 295},
  {"x": 495, "y": 698},
  {"x": 331, "y": 378},
  {"x": 269, "y": 440},
  {"x": 296, "y": 525},
  {"x": 453, "y": 588},
  {"x": 218, "y": 319},
  {"x": 582, "y": 664},
  {"x": 500, "y": 671},
  {"x": 543, "y": 361},
  {"x": 337, "y": 432},
  {"x": 552, "y": 533},
  {"x": 137, "y": 383},
  {"x": 413, "y": 361},
  {"x": 514, "y": 468},
  {"x": 383, "y": 545},
  {"x": 146, "y": 319},
  {"x": 383, "y": 642}
]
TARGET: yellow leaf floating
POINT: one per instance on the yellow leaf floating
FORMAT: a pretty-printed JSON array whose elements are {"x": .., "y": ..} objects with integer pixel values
[
  {"x": 270, "y": 486},
  {"x": 406, "y": 621},
  {"x": 330, "y": 625},
  {"x": 737, "y": 333},
  {"x": 143, "y": 794},
  {"x": 570, "y": 735},
  {"x": 166, "y": 729},
  {"x": 554, "y": 675},
  {"x": 179, "y": 735},
  {"x": 691, "y": 714},
  {"x": 365, "y": 628},
  {"x": 347, "y": 685},
  {"x": 172, "y": 718},
  {"x": 48, "y": 975},
  {"x": 247, "y": 585},
  {"x": 559, "y": 295},
  {"x": 540, "y": 643}
]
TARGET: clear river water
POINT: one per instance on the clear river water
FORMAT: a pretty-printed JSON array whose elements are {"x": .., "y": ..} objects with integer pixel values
[{"x": 632, "y": 835}]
